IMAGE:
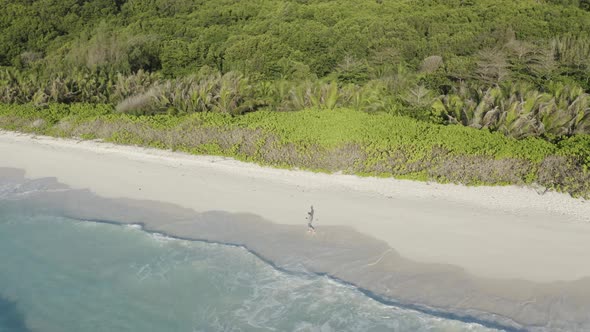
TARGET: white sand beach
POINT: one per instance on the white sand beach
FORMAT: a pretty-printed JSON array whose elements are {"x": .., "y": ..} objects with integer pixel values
[{"x": 493, "y": 232}]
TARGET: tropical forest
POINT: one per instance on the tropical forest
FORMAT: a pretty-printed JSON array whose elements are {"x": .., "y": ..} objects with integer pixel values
[{"x": 478, "y": 92}]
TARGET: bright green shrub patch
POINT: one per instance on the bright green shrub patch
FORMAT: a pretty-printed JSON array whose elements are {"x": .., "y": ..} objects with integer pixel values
[{"x": 330, "y": 140}]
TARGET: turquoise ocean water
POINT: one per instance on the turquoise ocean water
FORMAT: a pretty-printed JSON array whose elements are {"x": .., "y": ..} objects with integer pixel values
[{"x": 61, "y": 275}]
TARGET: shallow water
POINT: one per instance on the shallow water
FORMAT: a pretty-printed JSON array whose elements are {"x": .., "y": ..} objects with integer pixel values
[{"x": 59, "y": 274}]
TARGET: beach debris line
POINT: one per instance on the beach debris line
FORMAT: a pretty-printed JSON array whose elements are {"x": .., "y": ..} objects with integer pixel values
[{"x": 310, "y": 228}]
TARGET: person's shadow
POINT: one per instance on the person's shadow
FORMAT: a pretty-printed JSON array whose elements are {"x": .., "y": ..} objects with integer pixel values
[{"x": 11, "y": 319}]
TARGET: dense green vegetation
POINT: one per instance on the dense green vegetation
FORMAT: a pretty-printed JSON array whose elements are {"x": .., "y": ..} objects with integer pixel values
[{"x": 392, "y": 82}]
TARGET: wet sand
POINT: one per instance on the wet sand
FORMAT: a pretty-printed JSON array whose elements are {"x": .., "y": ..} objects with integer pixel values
[{"x": 498, "y": 255}]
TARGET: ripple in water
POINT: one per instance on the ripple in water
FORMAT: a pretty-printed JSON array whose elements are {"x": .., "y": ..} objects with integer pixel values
[{"x": 65, "y": 275}]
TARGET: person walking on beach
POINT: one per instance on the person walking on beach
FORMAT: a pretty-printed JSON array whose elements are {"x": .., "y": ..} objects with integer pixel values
[{"x": 310, "y": 228}]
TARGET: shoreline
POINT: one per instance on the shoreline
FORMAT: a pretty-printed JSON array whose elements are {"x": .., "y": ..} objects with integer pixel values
[
  {"x": 442, "y": 248},
  {"x": 498, "y": 232},
  {"x": 340, "y": 253},
  {"x": 501, "y": 324},
  {"x": 82, "y": 205}
]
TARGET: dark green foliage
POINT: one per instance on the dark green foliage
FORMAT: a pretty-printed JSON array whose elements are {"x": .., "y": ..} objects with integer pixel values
[
  {"x": 254, "y": 37},
  {"x": 509, "y": 68}
]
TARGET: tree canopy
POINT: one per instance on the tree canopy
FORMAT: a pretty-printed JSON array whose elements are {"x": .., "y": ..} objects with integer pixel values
[{"x": 447, "y": 61}]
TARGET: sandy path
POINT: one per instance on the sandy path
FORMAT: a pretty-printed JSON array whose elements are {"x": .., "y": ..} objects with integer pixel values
[{"x": 497, "y": 232}]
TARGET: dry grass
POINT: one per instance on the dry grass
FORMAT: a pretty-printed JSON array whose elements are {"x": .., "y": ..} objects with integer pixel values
[
  {"x": 478, "y": 169},
  {"x": 565, "y": 175},
  {"x": 138, "y": 104},
  {"x": 554, "y": 172},
  {"x": 431, "y": 64}
]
